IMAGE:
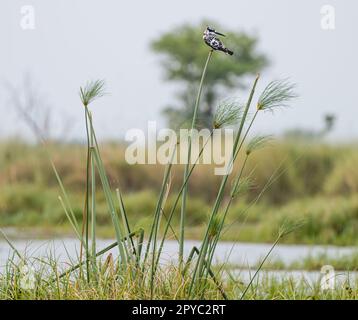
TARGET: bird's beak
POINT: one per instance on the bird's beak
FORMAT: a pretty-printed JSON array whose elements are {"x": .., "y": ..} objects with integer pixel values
[{"x": 220, "y": 34}]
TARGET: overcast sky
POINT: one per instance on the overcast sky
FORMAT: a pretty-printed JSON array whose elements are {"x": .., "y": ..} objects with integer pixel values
[{"x": 78, "y": 40}]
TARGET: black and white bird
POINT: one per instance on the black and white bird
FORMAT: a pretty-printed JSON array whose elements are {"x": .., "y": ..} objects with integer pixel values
[{"x": 212, "y": 41}]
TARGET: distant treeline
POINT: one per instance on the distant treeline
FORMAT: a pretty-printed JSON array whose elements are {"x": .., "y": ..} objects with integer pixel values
[
  {"x": 293, "y": 170},
  {"x": 316, "y": 184}
]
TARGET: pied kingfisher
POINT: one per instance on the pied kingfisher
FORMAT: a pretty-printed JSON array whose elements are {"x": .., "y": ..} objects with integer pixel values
[{"x": 210, "y": 39}]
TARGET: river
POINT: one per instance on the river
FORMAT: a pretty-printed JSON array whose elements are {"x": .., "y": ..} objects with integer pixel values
[{"x": 243, "y": 254}]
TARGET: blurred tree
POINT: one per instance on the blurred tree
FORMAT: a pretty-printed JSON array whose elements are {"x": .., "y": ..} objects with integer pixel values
[
  {"x": 184, "y": 54},
  {"x": 329, "y": 120},
  {"x": 305, "y": 135},
  {"x": 32, "y": 108}
]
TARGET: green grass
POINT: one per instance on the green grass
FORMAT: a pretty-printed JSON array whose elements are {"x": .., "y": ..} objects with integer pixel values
[
  {"x": 344, "y": 263},
  {"x": 169, "y": 285},
  {"x": 139, "y": 262},
  {"x": 136, "y": 272}
]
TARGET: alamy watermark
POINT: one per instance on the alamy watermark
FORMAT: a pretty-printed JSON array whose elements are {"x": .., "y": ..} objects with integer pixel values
[
  {"x": 328, "y": 17},
  {"x": 185, "y": 146},
  {"x": 328, "y": 277},
  {"x": 27, "y": 17}
]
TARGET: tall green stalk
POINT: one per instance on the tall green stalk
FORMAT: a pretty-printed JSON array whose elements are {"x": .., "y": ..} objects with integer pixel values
[
  {"x": 123, "y": 250},
  {"x": 171, "y": 214},
  {"x": 93, "y": 202},
  {"x": 88, "y": 94},
  {"x": 222, "y": 222},
  {"x": 261, "y": 264},
  {"x": 199, "y": 266},
  {"x": 186, "y": 170},
  {"x": 85, "y": 223},
  {"x": 232, "y": 194}
]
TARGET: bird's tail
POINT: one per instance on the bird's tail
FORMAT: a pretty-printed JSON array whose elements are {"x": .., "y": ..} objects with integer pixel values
[{"x": 226, "y": 50}]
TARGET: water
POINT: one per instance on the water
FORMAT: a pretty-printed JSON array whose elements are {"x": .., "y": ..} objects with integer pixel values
[{"x": 243, "y": 254}]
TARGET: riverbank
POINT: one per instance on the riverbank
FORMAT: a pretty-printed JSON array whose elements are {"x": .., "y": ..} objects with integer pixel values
[
  {"x": 320, "y": 191},
  {"x": 323, "y": 221},
  {"x": 235, "y": 266}
]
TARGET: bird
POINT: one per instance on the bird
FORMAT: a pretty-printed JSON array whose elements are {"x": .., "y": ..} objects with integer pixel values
[{"x": 209, "y": 36}]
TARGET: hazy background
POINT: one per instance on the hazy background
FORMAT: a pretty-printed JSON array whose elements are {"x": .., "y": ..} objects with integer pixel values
[
  {"x": 79, "y": 40},
  {"x": 76, "y": 41}
]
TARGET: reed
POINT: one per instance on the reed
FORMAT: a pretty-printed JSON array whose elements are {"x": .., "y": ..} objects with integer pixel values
[
  {"x": 142, "y": 268},
  {"x": 186, "y": 171}
]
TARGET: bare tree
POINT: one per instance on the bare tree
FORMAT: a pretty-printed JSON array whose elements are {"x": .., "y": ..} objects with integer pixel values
[{"x": 33, "y": 109}]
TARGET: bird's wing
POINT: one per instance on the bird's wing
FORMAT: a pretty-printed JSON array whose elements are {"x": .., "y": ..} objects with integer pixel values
[{"x": 216, "y": 43}]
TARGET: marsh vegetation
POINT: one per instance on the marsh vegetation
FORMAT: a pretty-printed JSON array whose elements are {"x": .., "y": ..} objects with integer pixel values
[{"x": 93, "y": 193}]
